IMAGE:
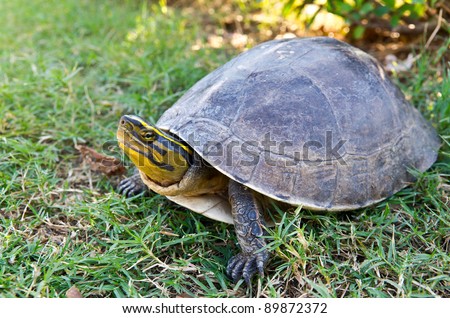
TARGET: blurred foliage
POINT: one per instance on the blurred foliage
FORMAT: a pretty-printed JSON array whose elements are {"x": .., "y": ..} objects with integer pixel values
[
  {"x": 369, "y": 21},
  {"x": 358, "y": 13}
]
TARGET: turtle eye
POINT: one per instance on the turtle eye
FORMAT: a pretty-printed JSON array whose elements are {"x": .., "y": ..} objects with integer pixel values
[{"x": 148, "y": 135}]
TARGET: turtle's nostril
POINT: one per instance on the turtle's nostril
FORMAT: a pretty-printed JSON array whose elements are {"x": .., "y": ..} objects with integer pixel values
[{"x": 122, "y": 122}]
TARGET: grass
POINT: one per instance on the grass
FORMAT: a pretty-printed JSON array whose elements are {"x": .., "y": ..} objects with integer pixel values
[{"x": 69, "y": 69}]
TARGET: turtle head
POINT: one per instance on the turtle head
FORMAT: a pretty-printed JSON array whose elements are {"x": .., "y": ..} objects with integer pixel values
[{"x": 162, "y": 157}]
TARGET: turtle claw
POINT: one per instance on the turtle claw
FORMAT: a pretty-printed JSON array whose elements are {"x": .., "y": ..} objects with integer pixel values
[
  {"x": 246, "y": 265},
  {"x": 131, "y": 186}
]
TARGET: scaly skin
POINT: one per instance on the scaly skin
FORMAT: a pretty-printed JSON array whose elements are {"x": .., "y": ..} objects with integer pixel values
[
  {"x": 249, "y": 227},
  {"x": 132, "y": 186}
]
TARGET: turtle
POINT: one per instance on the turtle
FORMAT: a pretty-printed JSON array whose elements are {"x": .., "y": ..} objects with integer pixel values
[{"x": 310, "y": 122}]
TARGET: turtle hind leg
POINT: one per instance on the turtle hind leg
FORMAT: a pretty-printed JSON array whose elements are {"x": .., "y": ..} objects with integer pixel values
[
  {"x": 249, "y": 226},
  {"x": 132, "y": 186}
]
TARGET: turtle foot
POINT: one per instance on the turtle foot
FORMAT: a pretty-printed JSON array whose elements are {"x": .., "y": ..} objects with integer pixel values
[
  {"x": 131, "y": 186},
  {"x": 246, "y": 265}
]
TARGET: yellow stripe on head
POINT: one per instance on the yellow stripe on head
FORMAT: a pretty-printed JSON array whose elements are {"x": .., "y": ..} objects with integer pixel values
[
  {"x": 160, "y": 156},
  {"x": 145, "y": 125}
]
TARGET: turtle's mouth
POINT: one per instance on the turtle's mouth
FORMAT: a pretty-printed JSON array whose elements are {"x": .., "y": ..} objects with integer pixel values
[
  {"x": 129, "y": 142},
  {"x": 133, "y": 147}
]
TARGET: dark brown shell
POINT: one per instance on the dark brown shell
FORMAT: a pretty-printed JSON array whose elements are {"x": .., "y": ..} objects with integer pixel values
[{"x": 312, "y": 122}]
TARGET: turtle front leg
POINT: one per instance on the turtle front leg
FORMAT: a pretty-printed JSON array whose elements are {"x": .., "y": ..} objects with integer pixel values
[
  {"x": 132, "y": 186},
  {"x": 248, "y": 223}
]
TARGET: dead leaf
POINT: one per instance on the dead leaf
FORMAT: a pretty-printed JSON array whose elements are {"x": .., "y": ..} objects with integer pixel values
[
  {"x": 168, "y": 233},
  {"x": 100, "y": 162},
  {"x": 73, "y": 292}
]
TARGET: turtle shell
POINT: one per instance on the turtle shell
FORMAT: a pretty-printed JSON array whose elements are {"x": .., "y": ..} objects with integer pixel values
[{"x": 310, "y": 121}]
